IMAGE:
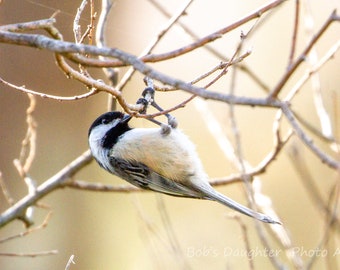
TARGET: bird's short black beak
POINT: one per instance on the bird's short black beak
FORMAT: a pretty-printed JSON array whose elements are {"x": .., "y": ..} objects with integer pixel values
[{"x": 126, "y": 118}]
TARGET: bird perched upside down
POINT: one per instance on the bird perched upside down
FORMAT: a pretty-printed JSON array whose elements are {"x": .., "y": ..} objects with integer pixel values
[{"x": 152, "y": 159}]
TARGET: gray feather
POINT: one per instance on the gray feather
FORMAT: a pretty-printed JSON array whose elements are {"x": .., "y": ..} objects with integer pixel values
[{"x": 141, "y": 176}]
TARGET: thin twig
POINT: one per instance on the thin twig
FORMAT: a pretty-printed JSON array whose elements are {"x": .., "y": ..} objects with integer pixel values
[
  {"x": 171, "y": 235},
  {"x": 185, "y": 49},
  {"x": 246, "y": 241},
  {"x": 62, "y": 47},
  {"x": 29, "y": 231},
  {"x": 25, "y": 90},
  {"x": 257, "y": 170},
  {"x": 28, "y": 148},
  {"x": 95, "y": 84},
  {"x": 26, "y": 157},
  {"x": 76, "y": 25},
  {"x": 59, "y": 46},
  {"x": 332, "y": 163},
  {"x": 45, "y": 188},
  {"x": 211, "y": 49},
  {"x": 5, "y": 191},
  {"x": 303, "y": 170},
  {"x": 29, "y": 26},
  {"x": 111, "y": 73},
  {"x": 295, "y": 33},
  {"x": 284, "y": 79},
  {"x": 30, "y": 254},
  {"x": 168, "y": 25},
  {"x": 90, "y": 28},
  {"x": 324, "y": 119},
  {"x": 334, "y": 195}
]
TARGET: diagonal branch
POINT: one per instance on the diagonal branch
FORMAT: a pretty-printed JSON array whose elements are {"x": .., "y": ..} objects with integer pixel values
[
  {"x": 45, "y": 188},
  {"x": 284, "y": 79},
  {"x": 63, "y": 47}
]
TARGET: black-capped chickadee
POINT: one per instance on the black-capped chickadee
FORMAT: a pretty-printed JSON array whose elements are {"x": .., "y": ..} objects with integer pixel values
[{"x": 150, "y": 159}]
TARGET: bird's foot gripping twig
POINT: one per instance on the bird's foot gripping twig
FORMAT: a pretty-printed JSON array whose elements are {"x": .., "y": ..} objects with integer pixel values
[{"x": 148, "y": 98}]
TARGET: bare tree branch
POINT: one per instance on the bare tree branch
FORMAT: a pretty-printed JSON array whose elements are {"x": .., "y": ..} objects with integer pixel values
[
  {"x": 55, "y": 182},
  {"x": 332, "y": 18}
]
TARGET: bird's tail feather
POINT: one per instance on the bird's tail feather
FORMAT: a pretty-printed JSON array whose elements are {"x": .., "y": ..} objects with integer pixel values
[{"x": 218, "y": 197}]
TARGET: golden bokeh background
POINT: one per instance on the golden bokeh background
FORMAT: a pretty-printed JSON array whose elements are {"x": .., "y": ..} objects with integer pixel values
[{"x": 127, "y": 231}]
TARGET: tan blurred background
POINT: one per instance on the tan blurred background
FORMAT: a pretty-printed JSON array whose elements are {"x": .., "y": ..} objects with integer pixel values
[{"x": 112, "y": 231}]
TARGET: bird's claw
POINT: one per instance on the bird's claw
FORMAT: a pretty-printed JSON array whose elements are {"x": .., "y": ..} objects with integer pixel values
[
  {"x": 165, "y": 129},
  {"x": 172, "y": 121}
]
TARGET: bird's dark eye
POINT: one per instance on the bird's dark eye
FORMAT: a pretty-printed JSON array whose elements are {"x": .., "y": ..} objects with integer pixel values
[{"x": 105, "y": 121}]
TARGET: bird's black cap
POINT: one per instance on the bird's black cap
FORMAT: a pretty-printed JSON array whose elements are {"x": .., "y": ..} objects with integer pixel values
[
  {"x": 112, "y": 134},
  {"x": 105, "y": 118}
]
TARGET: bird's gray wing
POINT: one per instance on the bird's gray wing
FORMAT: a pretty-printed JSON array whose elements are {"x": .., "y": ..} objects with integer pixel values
[{"x": 140, "y": 175}]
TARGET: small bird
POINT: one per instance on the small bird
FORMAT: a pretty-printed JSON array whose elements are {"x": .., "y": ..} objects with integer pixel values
[{"x": 150, "y": 158}]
